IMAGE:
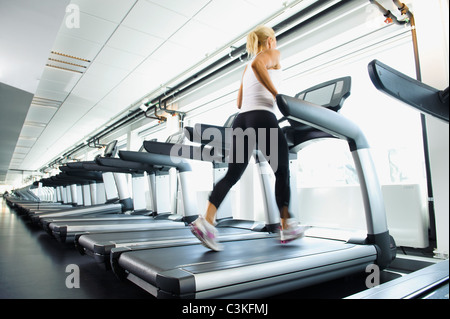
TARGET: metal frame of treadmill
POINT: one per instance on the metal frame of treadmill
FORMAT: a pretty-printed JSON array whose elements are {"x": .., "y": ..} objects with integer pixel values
[
  {"x": 66, "y": 230},
  {"x": 204, "y": 275},
  {"x": 100, "y": 250},
  {"x": 430, "y": 101}
]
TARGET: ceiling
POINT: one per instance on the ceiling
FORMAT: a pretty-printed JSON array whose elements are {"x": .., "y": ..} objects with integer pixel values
[{"x": 65, "y": 73}]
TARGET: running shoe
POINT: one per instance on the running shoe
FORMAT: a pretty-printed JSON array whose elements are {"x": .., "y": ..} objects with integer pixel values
[
  {"x": 206, "y": 233},
  {"x": 294, "y": 231}
]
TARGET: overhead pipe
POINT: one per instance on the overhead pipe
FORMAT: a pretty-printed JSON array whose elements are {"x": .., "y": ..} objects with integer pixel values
[
  {"x": 404, "y": 10},
  {"x": 160, "y": 118},
  {"x": 388, "y": 14}
]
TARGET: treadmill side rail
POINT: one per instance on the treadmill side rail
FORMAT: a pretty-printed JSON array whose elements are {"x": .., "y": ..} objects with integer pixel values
[
  {"x": 422, "y": 97},
  {"x": 410, "y": 286}
]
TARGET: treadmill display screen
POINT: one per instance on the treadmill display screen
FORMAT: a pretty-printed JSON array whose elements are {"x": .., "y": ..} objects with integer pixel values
[
  {"x": 110, "y": 149},
  {"x": 321, "y": 96},
  {"x": 175, "y": 138}
]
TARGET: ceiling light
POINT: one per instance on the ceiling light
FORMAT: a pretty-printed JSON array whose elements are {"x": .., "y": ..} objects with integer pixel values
[
  {"x": 70, "y": 56},
  {"x": 62, "y": 68},
  {"x": 34, "y": 124}
]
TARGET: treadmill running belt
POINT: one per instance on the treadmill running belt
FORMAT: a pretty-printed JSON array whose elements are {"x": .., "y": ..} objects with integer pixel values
[
  {"x": 100, "y": 242},
  {"x": 257, "y": 259}
]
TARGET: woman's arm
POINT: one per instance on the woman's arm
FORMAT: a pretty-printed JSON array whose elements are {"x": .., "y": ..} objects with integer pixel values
[
  {"x": 268, "y": 59},
  {"x": 239, "y": 98}
]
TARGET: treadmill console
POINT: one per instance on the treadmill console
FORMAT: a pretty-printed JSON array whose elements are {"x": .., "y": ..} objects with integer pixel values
[
  {"x": 330, "y": 94},
  {"x": 111, "y": 149}
]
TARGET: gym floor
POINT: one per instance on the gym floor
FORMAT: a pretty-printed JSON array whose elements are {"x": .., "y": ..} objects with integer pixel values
[{"x": 33, "y": 266}]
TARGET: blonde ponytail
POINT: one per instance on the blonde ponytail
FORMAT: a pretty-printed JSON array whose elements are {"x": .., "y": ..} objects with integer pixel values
[
  {"x": 252, "y": 44},
  {"x": 257, "y": 39}
]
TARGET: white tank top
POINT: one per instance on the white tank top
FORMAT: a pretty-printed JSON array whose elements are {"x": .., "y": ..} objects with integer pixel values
[{"x": 254, "y": 95}]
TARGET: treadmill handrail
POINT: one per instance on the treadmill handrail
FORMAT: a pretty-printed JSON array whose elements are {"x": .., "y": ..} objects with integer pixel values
[
  {"x": 192, "y": 152},
  {"x": 341, "y": 127},
  {"x": 323, "y": 119},
  {"x": 156, "y": 159},
  {"x": 424, "y": 98},
  {"x": 105, "y": 169},
  {"x": 134, "y": 167}
]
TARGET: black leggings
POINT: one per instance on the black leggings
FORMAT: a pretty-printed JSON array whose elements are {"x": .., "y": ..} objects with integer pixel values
[{"x": 258, "y": 122}]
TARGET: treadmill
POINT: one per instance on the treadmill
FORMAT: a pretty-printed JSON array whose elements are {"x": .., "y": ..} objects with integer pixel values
[
  {"x": 29, "y": 201},
  {"x": 99, "y": 245},
  {"x": 130, "y": 206},
  {"x": 431, "y": 281},
  {"x": 72, "y": 182},
  {"x": 66, "y": 229},
  {"x": 156, "y": 158},
  {"x": 74, "y": 186},
  {"x": 113, "y": 204},
  {"x": 262, "y": 267},
  {"x": 116, "y": 189}
]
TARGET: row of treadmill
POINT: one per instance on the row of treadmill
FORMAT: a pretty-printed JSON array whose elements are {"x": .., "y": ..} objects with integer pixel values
[{"x": 136, "y": 234}]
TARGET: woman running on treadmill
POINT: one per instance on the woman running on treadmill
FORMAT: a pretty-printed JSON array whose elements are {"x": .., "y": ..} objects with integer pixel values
[{"x": 256, "y": 101}]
